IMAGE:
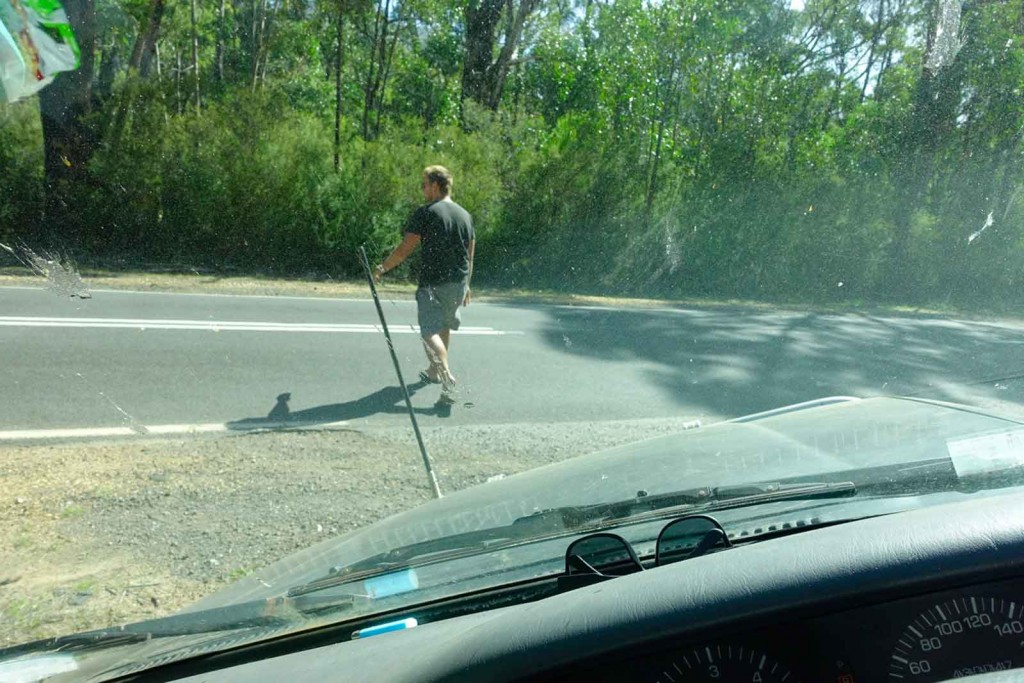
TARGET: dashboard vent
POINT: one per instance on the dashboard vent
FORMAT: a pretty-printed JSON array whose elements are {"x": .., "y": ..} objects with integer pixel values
[{"x": 773, "y": 527}]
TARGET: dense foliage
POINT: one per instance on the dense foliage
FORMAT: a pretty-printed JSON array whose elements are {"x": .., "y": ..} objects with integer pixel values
[{"x": 846, "y": 149}]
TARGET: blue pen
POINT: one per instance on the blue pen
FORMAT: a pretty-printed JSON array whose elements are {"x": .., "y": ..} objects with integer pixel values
[{"x": 385, "y": 628}]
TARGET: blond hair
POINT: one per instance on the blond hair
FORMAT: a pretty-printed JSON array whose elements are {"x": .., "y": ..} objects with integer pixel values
[{"x": 440, "y": 175}]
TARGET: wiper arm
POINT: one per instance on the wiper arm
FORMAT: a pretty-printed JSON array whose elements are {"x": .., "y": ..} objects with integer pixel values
[{"x": 566, "y": 521}]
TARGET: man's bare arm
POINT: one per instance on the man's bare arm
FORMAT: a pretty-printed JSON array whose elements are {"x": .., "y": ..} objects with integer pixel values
[
  {"x": 400, "y": 253},
  {"x": 469, "y": 276}
]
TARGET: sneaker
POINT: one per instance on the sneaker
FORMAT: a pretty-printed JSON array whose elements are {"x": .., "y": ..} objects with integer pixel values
[{"x": 447, "y": 396}]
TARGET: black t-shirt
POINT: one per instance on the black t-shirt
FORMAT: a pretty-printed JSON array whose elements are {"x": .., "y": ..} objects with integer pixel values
[{"x": 445, "y": 231}]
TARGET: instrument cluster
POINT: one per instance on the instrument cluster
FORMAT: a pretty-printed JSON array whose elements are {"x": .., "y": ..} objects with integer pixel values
[{"x": 934, "y": 637}]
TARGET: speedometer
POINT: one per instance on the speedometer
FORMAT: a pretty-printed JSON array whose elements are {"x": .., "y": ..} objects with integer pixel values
[
  {"x": 725, "y": 664},
  {"x": 960, "y": 637}
]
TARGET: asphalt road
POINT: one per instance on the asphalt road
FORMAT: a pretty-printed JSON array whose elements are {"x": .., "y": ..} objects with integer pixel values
[{"x": 151, "y": 359}]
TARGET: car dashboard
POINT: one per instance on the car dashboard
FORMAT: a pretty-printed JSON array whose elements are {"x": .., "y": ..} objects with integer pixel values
[
  {"x": 927, "y": 595},
  {"x": 939, "y": 636}
]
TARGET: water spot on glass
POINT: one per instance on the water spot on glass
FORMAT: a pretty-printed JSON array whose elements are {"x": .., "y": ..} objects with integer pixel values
[{"x": 988, "y": 224}]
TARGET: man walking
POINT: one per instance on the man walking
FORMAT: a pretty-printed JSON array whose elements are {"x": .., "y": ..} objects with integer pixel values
[{"x": 446, "y": 231}]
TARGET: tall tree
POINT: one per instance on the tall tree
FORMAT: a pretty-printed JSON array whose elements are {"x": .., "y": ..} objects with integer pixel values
[
  {"x": 339, "y": 62},
  {"x": 68, "y": 139},
  {"x": 384, "y": 35},
  {"x": 218, "y": 59},
  {"x": 932, "y": 116},
  {"x": 195, "y": 52},
  {"x": 486, "y": 65},
  {"x": 145, "y": 44}
]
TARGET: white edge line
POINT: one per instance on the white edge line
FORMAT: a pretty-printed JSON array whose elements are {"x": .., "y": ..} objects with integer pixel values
[
  {"x": 384, "y": 299},
  {"x": 157, "y": 430},
  {"x": 26, "y": 319},
  {"x": 286, "y": 297},
  {"x": 225, "y": 326},
  {"x": 481, "y": 333}
]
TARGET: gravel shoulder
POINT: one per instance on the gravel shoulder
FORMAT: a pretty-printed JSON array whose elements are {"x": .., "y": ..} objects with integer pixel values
[{"x": 100, "y": 534}]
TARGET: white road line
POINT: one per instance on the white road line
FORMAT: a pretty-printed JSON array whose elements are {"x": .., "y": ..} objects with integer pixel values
[
  {"x": 155, "y": 430},
  {"x": 225, "y": 326},
  {"x": 285, "y": 297}
]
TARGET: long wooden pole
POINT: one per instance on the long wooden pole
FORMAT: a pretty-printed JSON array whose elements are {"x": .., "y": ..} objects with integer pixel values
[{"x": 398, "y": 370}]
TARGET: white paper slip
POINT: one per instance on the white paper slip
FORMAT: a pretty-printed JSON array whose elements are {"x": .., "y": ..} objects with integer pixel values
[{"x": 987, "y": 453}]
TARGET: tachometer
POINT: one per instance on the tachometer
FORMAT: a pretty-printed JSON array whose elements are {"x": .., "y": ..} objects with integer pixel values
[
  {"x": 960, "y": 637},
  {"x": 725, "y": 664}
]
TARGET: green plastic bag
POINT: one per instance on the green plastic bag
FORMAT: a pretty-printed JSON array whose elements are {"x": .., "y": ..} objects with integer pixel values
[{"x": 36, "y": 43}]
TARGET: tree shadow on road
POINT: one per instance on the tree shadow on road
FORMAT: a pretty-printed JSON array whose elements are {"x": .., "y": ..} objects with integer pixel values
[
  {"x": 734, "y": 362},
  {"x": 385, "y": 400}
]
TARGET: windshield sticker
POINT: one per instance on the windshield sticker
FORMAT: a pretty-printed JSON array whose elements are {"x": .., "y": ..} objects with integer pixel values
[
  {"x": 988, "y": 453},
  {"x": 394, "y": 583},
  {"x": 36, "y": 668}
]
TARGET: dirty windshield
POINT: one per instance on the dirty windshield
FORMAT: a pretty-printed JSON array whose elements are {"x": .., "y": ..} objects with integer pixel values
[{"x": 273, "y": 271}]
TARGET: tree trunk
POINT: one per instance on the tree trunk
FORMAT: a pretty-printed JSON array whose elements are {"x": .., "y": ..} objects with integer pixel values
[
  {"x": 145, "y": 44},
  {"x": 140, "y": 62},
  {"x": 876, "y": 36},
  {"x": 195, "y": 54},
  {"x": 484, "y": 75},
  {"x": 482, "y": 17},
  {"x": 218, "y": 59},
  {"x": 375, "y": 71},
  {"x": 68, "y": 141},
  {"x": 385, "y": 75},
  {"x": 177, "y": 79},
  {"x": 259, "y": 20},
  {"x": 110, "y": 64},
  {"x": 933, "y": 114},
  {"x": 339, "y": 61},
  {"x": 268, "y": 28},
  {"x": 513, "y": 35},
  {"x": 666, "y": 98}
]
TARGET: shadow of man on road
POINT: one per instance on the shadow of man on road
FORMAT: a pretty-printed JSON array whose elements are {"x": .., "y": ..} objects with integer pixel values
[{"x": 385, "y": 400}]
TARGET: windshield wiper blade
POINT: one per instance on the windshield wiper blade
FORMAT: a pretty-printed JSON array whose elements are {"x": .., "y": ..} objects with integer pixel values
[
  {"x": 707, "y": 498},
  {"x": 258, "y": 614},
  {"x": 566, "y": 521}
]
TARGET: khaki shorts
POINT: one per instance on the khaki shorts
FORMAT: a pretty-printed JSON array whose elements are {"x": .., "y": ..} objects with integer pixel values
[{"x": 437, "y": 307}]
